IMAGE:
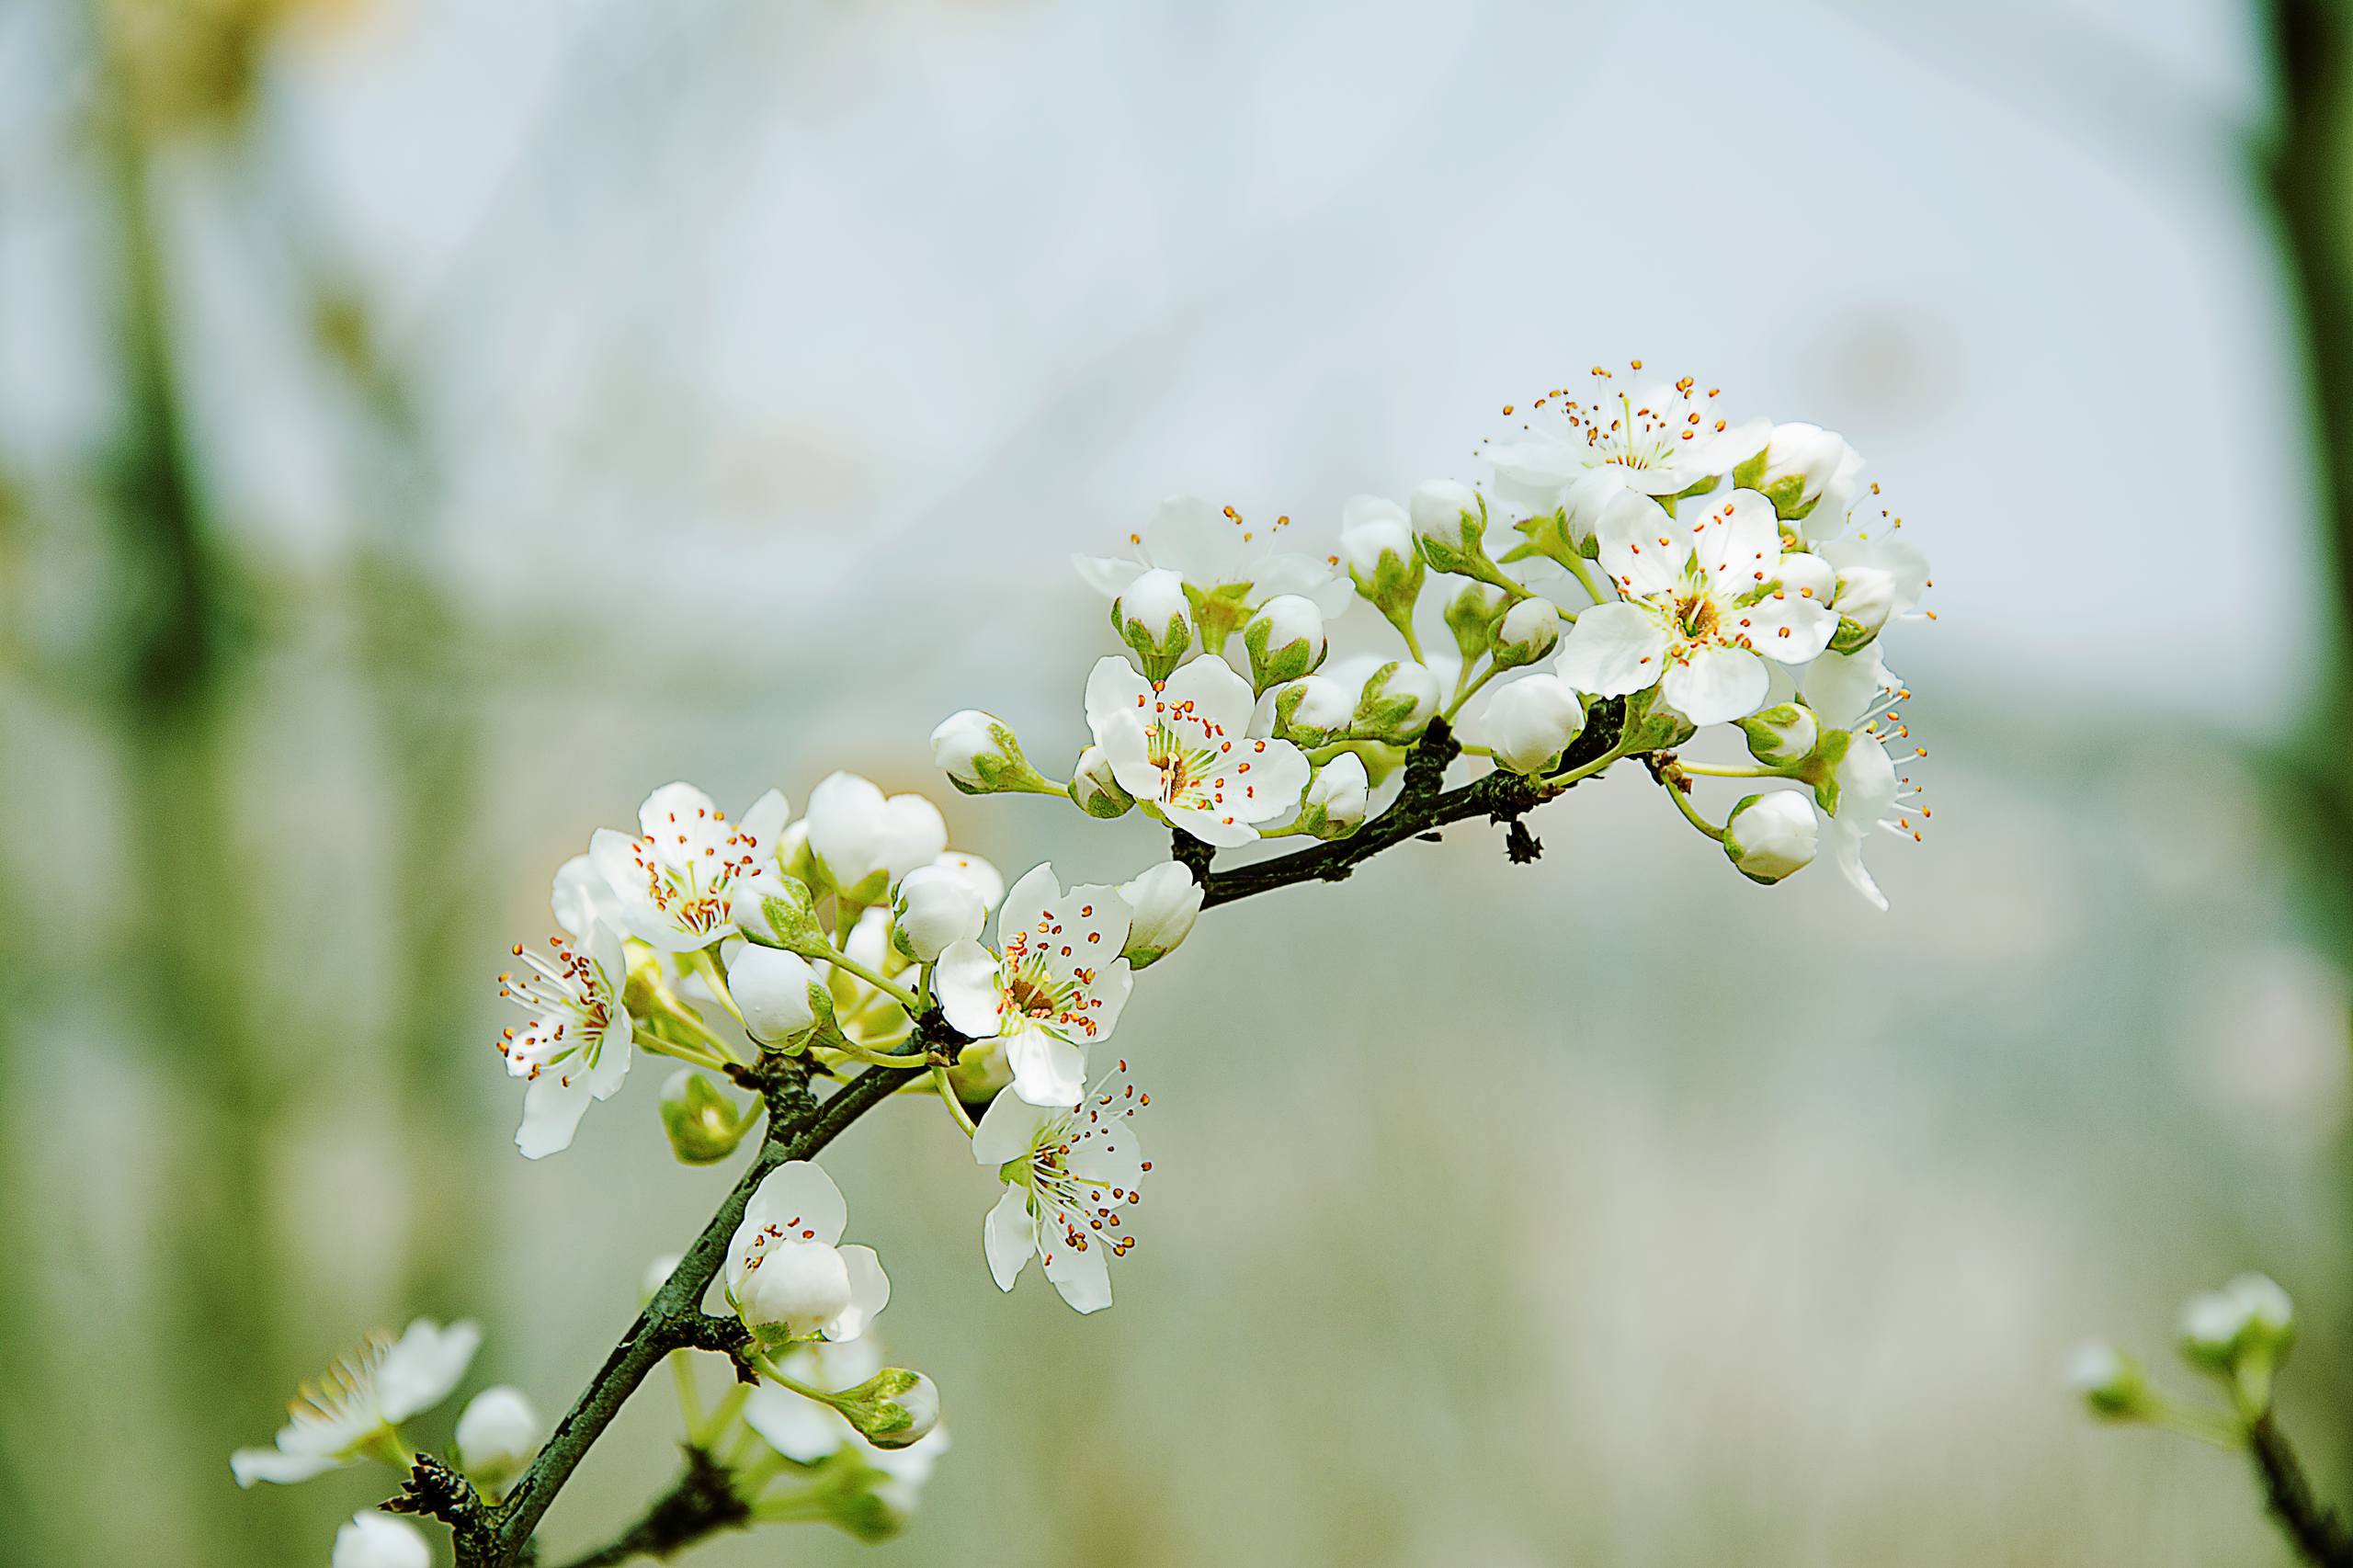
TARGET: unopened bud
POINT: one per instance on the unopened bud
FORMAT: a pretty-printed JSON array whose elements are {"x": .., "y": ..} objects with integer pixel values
[
  {"x": 1378, "y": 548},
  {"x": 1866, "y": 598},
  {"x": 935, "y": 910},
  {"x": 1399, "y": 700},
  {"x": 1771, "y": 836},
  {"x": 1530, "y": 722},
  {"x": 379, "y": 1540},
  {"x": 1798, "y": 466},
  {"x": 1163, "y": 903},
  {"x": 1450, "y": 520},
  {"x": 1093, "y": 789},
  {"x": 780, "y": 996},
  {"x": 2109, "y": 1382},
  {"x": 1314, "y": 711},
  {"x": 1285, "y": 639},
  {"x": 703, "y": 1124},
  {"x": 1472, "y": 615},
  {"x": 1151, "y": 616},
  {"x": 786, "y": 916},
  {"x": 980, "y": 756},
  {"x": 892, "y": 1408},
  {"x": 496, "y": 1436},
  {"x": 1527, "y": 634},
  {"x": 1337, "y": 796},
  {"x": 2250, "y": 1315},
  {"x": 796, "y": 1288},
  {"x": 1653, "y": 724},
  {"x": 1782, "y": 735}
]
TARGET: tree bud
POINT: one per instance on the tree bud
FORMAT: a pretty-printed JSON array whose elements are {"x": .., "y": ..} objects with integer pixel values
[
  {"x": 2250, "y": 1315},
  {"x": 892, "y": 1408},
  {"x": 1782, "y": 735},
  {"x": 1771, "y": 836},
  {"x": 1285, "y": 639},
  {"x": 936, "y": 909},
  {"x": 1399, "y": 700},
  {"x": 379, "y": 1540},
  {"x": 1866, "y": 598},
  {"x": 496, "y": 1436},
  {"x": 1378, "y": 548},
  {"x": 703, "y": 1124},
  {"x": 782, "y": 997},
  {"x": 2109, "y": 1382},
  {"x": 1095, "y": 790},
  {"x": 1337, "y": 797},
  {"x": 1450, "y": 521},
  {"x": 1530, "y": 722},
  {"x": 864, "y": 841},
  {"x": 1472, "y": 615},
  {"x": 1151, "y": 616},
  {"x": 1313, "y": 711},
  {"x": 787, "y": 917},
  {"x": 1528, "y": 632},
  {"x": 1164, "y": 902},
  {"x": 1798, "y": 466},
  {"x": 980, "y": 756}
]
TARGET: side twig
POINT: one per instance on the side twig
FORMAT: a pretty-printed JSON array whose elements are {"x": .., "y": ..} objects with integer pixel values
[{"x": 2320, "y": 1536}]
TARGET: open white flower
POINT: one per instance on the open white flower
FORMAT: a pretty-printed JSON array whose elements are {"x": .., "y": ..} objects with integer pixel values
[
  {"x": 786, "y": 1275},
  {"x": 1657, "y": 440},
  {"x": 690, "y": 873},
  {"x": 1055, "y": 987},
  {"x": 1185, "y": 747},
  {"x": 1707, "y": 600},
  {"x": 1217, "y": 554},
  {"x": 1067, "y": 1173},
  {"x": 1871, "y": 795},
  {"x": 576, "y": 1046},
  {"x": 351, "y": 1410},
  {"x": 865, "y": 841}
]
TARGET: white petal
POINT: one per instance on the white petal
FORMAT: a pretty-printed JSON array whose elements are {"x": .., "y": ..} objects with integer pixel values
[
  {"x": 1081, "y": 1273},
  {"x": 1737, "y": 540},
  {"x": 582, "y": 895},
  {"x": 1220, "y": 699},
  {"x": 1009, "y": 1236},
  {"x": 1259, "y": 780},
  {"x": 675, "y": 803},
  {"x": 1641, "y": 548},
  {"x": 869, "y": 1292},
  {"x": 794, "y": 1425},
  {"x": 966, "y": 982},
  {"x": 1713, "y": 685},
  {"x": 1030, "y": 903},
  {"x": 801, "y": 1200},
  {"x": 420, "y": 1370},
  {"x": 1047, "y": 1069},
  {"x": 1841, "y": 687},
  {"x": 1786, "y": 627},
  {"x": 1195, "y": 540},
  {"x": 249, "y": 1465},
  {"x": 1107, "y": 575},
  {"x": 612, "y": 1060},
  {"x": 1009, "y": 1129},
  {"x": 552, "y": 1107},
  {"x": 1612, "y": 650},
  {"x": 1222, "y": 828}
]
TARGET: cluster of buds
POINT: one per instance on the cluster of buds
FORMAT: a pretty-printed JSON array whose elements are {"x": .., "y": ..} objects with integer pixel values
[
  {"x": 2238, "y": 1335},
  {"x": 1636, "y": 571}
]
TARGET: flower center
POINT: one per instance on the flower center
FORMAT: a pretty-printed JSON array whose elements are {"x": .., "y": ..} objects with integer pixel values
[
  {"x": 573, "y": 1001},
  {"x": 1697, "y": 617}
]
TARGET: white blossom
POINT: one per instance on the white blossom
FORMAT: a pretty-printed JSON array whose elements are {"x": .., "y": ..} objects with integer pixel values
[
  {"x": 864, "y": 841},
  {"x": 576, "y": 1046},
  {"x": 936, "y": 909},
  {"x": 1067, "y": 1173},
  {"x": 1216, "y": 551},
  {"x": 1705, "y": 604},
  {"x": 1184, "y": 746},
  {"x": 1055, "y": 987},
  {"x": 352, "y": 1408},
  {"x": 779, "y": 993},
  {"x": 1530, "y": 721},
  {"x": 1656, "y": 440},
  {"x": 497, "y": 1434},
  {"x": 1807, "y": 472},
  {"x": 1771, "y": 835},
  {"x": 785, "y": 1272},
  {"x": 687, "y": 877},
  {"x": 1163, "y": 903},
  {"x": 379, "y": 1540},
  {"x": 1337, "y": 798}
]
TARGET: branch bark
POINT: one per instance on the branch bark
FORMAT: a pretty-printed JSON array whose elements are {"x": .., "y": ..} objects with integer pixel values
[{"x": 2319, "y": 1535}]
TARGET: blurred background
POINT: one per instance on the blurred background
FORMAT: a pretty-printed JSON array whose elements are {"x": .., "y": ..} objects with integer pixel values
[{"x": 425, "y": 426}]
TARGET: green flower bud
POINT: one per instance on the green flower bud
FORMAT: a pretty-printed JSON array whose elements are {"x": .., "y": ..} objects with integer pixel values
[
  {"x": 1655, "y": 724},
  {"x": 1526, "y": 633},
  {"x": 892, "y": 1408},
  {"x": 1866, "y": 598},
  {"x": 2109, "y": 1382},
  {"x": 782, "y": 999},
  {"x": 787, "y": 919},
  {"x": 1335, "y": 803},
  {"x": 1450, "y": 520},
  {"x": 1285, "y": 639},
  {"x": 1381, "y": 557},
  {"x": 1471, "y": 615},
  {"x": 703, "y": 1125},
  {"x": 980, "y": 756},
  {"x": 1313, "y": 711},
  {"x": 1095, "y": 790},
  {"x": 1151, "y": 616},
  {"x": 1782, "y": 734},
  {"x": 1399, "y": 700},
  {"x": 2250, "y": 1318}
]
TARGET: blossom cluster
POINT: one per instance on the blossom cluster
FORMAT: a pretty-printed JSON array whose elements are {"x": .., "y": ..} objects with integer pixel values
[{"x": 1636, "y": 568}]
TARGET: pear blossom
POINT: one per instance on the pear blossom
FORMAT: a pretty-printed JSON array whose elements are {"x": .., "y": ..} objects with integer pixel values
[
  {"x": 1154, "y": 616},
  {"x": 779, "y": 993},
  {"x": 690, "y": 874},
  {"x": 1095, "y": 789},
  {"x": 1337, "y": 798},
  {"x": 576, "y": 1046},
  {"x": 1705, "y": 605},
  {"x": 1067, "y": 1171},
  {"x": 786, "y": 1275},
  {"x": 1526, "y": 633},
  {"x": 497, "y": 1434},
  {"x": 1056, "y": 985},
  {"x": 1806, "y": 472},
  {"x": 379, "y": 1540},
  {"x": 351, "y": 1412},
  {"x": 1312, "y": 711},
  {"x": 1655, "y": 439},
  {"x": 1771, "y": 836},
  {"x": 1879, "y": 579},
  {"x": 1530, "y": 721},
  {"x": 1163, "y": 903},
  {"x": 1184, "y": 746},
  {"x": 1216, "y": 552},
  {"x": 1870, "y": 795},
  {"x": 936, "y": 908},
  {"x": 863, "y": 841}
]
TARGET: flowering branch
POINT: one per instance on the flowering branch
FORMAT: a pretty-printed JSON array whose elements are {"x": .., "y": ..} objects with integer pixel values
[{"x": 1711, "y": 575}]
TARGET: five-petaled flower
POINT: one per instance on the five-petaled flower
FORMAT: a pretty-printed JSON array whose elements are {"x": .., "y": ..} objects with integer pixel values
[
  {"x": 1220, "y": 556},
  {"x": 1707, "y": 600},
  {"x": 1054, "y": 987},
  {"x": 576, "y": 1047},
  {"x": 1067, "y": 1173},
  {"x": 1657, "y": 440},
  {"x": 689, "y": 874},
  {"x": 349, "y": 1414},
  {"x": 1184, "y": 747}
]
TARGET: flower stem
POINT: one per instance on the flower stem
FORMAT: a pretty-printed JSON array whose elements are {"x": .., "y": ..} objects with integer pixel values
[
  {"x": 897, "y": 993},
  {"x": 1712, "y": 770},
  {"x": 947, "y": 1096},
  {"x": 1682, "y": 800}
]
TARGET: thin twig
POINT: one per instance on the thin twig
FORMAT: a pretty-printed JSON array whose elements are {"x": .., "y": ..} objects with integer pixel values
[{"x": 2320, "y": 1536}]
